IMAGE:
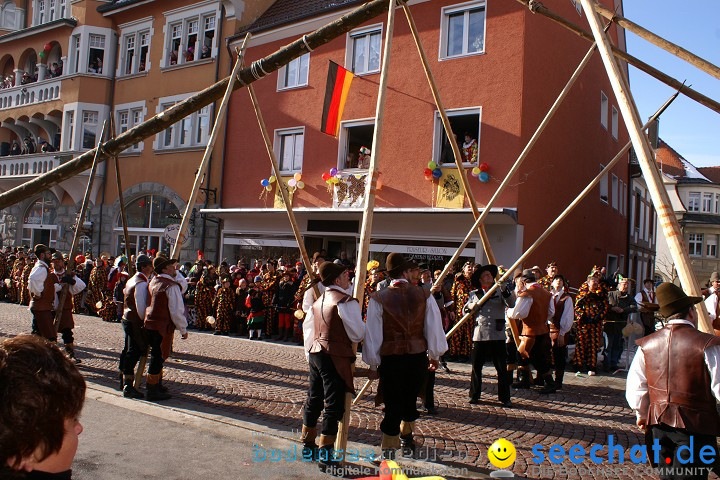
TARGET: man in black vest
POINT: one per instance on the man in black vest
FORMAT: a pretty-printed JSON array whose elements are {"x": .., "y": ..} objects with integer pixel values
[{"x": 672, "y": 386}]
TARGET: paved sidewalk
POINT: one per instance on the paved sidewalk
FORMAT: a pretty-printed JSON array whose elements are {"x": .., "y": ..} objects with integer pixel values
[{"x": 264, "y": 384}]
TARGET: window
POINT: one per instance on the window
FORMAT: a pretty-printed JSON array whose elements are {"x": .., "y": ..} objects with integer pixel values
[
  {"x": 695, "y": 243},
  {"x": 76, "y": 53},
  {"x": 97, "y": 54},
  {"x": 129, "y": 54},
  {"x": 289, "y": 149},
  {"x": 615, "y": 119},
  {"x": 651, "y": 222},
  {"x": 463, "y": 30},
  {"x": 364, "y": 50},
  {"x": 604, "y": 186},
  {"x": 356, "y": 138},
  {"x": 191, "y": 131},
  {"x": 51, "y": 13},
  {"x": 41, "y": 12},
  {"x": 69, "y": 121},
  {"x": 191, "y": 39},
  {"x": 466, "y": 124},
  {"x": 636, "y": 210},
  {"x": 63, "y": 8},
  {"x": 711, "y": 246},
  {"x": 615, "y": 193},
  {"x": 135, "y": 52},
  {"x": 295, "y": 73},
  {"x": 89, "y": 129},
  {"x": 127, "y": 119},
  {"x": 707, "y": 202},
  {"x": 39, "y": 222},
  {"x": 693, "y": 202},
  {"x": 603, "y": 110}
]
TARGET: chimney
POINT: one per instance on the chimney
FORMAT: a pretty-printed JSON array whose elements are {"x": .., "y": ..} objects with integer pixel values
[{"x": 654, "y": 133}]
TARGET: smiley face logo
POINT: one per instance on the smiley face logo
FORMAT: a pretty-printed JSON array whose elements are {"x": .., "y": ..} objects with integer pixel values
[{"x": 502, "y": 453}]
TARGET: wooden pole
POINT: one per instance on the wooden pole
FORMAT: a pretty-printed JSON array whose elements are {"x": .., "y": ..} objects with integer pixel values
[
  {"x": 537, "y": 7},
  {"x": 281, "y": 188},
  {"x": 78, "y": 226},
  {"x": 448, "y": 131},
  {"x": 659, "y": 41},
  {"x": 123, "y": 215},
  {"x": 523, "y": 155},
  {"x": 581, "y": 196},
  {"x": 200, "y": 175},
  {"x": 653, "y": 178}
]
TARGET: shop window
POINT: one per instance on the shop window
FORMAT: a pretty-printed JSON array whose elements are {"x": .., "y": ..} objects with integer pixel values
[
  {"x": 465, "y": 124},
  {"x": 289, "y": 145},
  {"x": 364, "y": 50},
  {"x": 295, "y": 73},
  {"x": 89, "y": 129},
  {"x": 356, "y": 140},
  {"x": 463, "y": 30},
  {"x": 39, "y": 222},
  {"x": 96, "y": 54}
]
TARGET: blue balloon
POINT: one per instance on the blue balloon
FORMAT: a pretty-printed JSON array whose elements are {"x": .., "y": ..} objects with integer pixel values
[
  {"x": 484, "y": 177},
  {"x": 437, "y": 173},
  {"x": 265, "y": 182}
]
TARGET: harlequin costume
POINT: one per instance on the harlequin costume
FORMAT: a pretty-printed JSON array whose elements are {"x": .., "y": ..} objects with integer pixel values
[
  {"x": 14, "y": 290},
  {"x": 24, "y": 279},
  {"x": 268, "y": 286},
  {"x": 96, "y": 287},
  {"x": 370, "y": 284},
  {"x": 591, "y": 307},
  {"x": 224, "y": 304},
  {"x": 470, "y": 151},
  {"x": 461, "y": 341},
  {"x": 204, "y": 297}
]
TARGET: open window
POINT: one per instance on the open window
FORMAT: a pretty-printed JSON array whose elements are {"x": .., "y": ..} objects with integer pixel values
[
  {"x": 356, "y": 138},
  {"x": 465, "y": 124}
]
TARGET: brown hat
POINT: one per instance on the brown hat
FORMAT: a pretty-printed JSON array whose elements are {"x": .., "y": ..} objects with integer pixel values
[
  {"x": 160, "y": 262},
  {"x": 475, "y": 279},
  {"x": 329, "y": 271},
  {"x": 529, "y": 275},
  {"x": 396, "y": 264},
  {"x": 672, "y": 299},
  {"x": 316, "y": 255},
  {"x": 57, "y": 256},
  {"x": 41, "y": 248},
  {"x": 714, "y": 277}
]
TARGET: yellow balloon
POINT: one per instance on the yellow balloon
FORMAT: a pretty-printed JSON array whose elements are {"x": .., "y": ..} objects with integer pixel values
[
  {"x": 300, "y": 185},
  {"x": 502, "y": 453},
  {"x": 268, "y": 188},
  {"x": 272, "y": 179},
  {"x": 297, "y": 176}
]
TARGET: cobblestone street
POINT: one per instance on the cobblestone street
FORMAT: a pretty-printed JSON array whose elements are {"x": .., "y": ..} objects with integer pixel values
[{"x": 264, "y": 383}]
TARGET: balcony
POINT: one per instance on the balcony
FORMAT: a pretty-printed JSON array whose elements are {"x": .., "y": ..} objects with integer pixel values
[{"x": 30, "y": 94}]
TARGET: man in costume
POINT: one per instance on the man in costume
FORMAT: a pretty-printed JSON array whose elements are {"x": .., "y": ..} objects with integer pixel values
[
  {"x": 76, "y": 285},
  {"x": 711, "y": 302},
  {"x": 135, "y": 307},
  {"x": 331, "y": 327},
  {"x": 24, "y": 283},
  {"x": 204, "y": 297},
  {"x": 42, "y": 290},
  {"x": 562, "y": 322},
  {"x": 489, "y": 332},
  {"x": 591, "y": 307},
  {"x": 551, "y": 271},
  {"x": 165, "y": 313},
  {"x": 404, "y": 331},
  {"x": 672, "y": 387},
  {"x": 96, "y": 287},
  {"x": 268, "y": 287},
  {"x": 224, "y": 304},
  {"x": 534, "y": 306},
  {"x": 645, "y": 299},
  {"x": 620, "y": 305},
  {"x": 461, "y": 341}
]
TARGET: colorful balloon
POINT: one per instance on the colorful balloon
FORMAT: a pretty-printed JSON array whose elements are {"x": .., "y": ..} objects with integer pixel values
[
  {"x": 272, "y": 179},
  {"x": 484, "y": 167},
  {"x": 437, "y": 173},
  {"x": 428, "y": 172},
  {"x": 476, "y": 171},
  {"x": 292, "y": 182},
  {"x": 326, "y": 176},
  {"x": 265, "y": 182},
  {"x": 41, "y": 53},
  {"x": 300, "y": 185},
  {"x": 333, "y": 171},
  {"x": 48, "y": 47},
  {"x": 484, "y": 177},
  {"x": 297, "y": 176},
  {"x": 432, "y": 165},
  {"x": 268, "y": 188}
]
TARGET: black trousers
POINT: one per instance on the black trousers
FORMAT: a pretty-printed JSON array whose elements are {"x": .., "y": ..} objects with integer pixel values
[
  {"x": 67, "y": 336},
  {"x": 539, "y": 355},
  {"x": 401, "y": 377},
  {"x": 670, "y": 440},
  {"x": 430, "y": 390},
  {"x": 493, "y": 350},
  {"x": 135, "y": 347},
  {"x": 560, "y": 359},
  {"x": 327, "y": 389},
  {"x": 156, "y": 359}
]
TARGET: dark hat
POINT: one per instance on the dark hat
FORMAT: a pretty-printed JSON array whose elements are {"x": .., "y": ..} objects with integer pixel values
[
  {"x": 142, "y": 260},
  {"x": 161, "y": 262},
  {"x": 224, "y": 278},
  {"x": 396, "y": 264},
  {"x": 672, "y": 299},
  {"x": 475, "y": 279},
  {"x": 714, "y": 277},
  {"x": 329, "y": 271},
  {"x": 40, "y": 248},
  {"x": 316, "y": 255},
  {"x": 57, "y": 256},
  {"x": 529, "y": 275}
]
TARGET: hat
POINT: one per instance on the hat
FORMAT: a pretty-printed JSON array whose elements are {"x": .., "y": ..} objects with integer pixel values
[
  {"x": 672, "y": 299},
  {"x": 529, "y": 275},
  {"x": 224, "y": 278},
  {"x": 57, "y": 256},
  {"x": 475, "y": 279},
  {"x": 161, "y": 262},
  {"x": 714, "y": 277},
  {"x": 329, "y": 271},
  {"x": 396, "y": 264},
  {"x": 40, "y": 248},
  {"x": 142, "y": 260},
  {"x": 316, "y": 255},
  {"x": 372, "y": 265}
]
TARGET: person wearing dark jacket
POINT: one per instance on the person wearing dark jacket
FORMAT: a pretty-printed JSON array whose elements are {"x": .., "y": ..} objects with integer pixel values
[
  {"x": 283, "y": 303},
  {"x": 621, "y": 304}
]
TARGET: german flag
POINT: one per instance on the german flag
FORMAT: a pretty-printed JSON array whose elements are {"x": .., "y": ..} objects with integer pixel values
[{"x": 336, "y": 91}]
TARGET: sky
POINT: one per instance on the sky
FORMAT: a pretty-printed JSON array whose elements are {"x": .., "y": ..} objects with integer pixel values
[{"x": 690, "y": 128}]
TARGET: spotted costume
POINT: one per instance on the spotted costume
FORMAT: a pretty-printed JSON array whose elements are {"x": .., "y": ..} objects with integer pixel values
[
  {"x": 24, "y": 282},
  {"x": 98, "y": 283},
  {"x": 224, "y": 304},
  {"x": 591, "y": 308},
  {"x": 269, "y": 286},
  {"x": 13, "y": 292},
  {"x": 461, "y": 341},
  {"x": 204, "y": 297}
]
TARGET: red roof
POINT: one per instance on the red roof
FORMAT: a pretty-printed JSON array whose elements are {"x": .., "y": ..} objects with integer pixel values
[
  {"x": 669, "y": 160},
  {"x": 712, "y": 173}
]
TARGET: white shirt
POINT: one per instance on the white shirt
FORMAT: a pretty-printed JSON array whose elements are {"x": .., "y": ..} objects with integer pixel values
[
  {"x": 175, "y": 303},
  {"x": 566, "y": 321},
  {"x": 37, "y": 278},
  {"x": 636, "y": 386},
  {"x": 434, "y": 334},
  {"x": 711, "y": 303},
  {"x": 141, "y": 293},
  {"x": 649, "y": 293},
  {"x": 309, "y": 297},
  {"x": 74, "y": 289},
  {"x": 349, "y": 312},
  {"x": 522, "y": 307}
]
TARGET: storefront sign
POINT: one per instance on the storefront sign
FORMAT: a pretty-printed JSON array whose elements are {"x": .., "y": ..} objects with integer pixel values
[
  {"x": 171, "y": 234},
  {"x": 260, "y": 242},
  {"x": 420, "y": 250}
]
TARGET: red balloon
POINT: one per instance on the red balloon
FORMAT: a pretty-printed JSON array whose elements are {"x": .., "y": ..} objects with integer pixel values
[
  {"x": 428, "y": 177},
  {"x": 326, "y": 176},
  {"x": 428, "y": 172},
  {"x": 48, "y": 47},
  {"x": 484, "y": 167}
]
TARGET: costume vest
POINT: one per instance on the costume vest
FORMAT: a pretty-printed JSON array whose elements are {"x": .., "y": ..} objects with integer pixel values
[
  {"x": 647, "y": 317},
  {"x": 44, "y": 302},
  {"x": 331, "y": 336},
  {"x": 403, "y": 318},
  {"x": 536, "y": 322},
  {"x": 130, "y": 306},
  {"x": 157, "y": 316},
  {"x": 66, "y": 318},
  {"x": 678, "y": 380},
  {"x": 559, "y": 301}
]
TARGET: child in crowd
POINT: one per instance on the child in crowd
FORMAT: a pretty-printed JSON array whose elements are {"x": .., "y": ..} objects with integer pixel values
[{"x": 256, "y": 318}]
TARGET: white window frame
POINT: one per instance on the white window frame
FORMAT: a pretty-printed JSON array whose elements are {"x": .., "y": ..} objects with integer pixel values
[
  {"x": 604, "y": 105},
  {"x": 103, "y": 39},
  {"x": 135, "y": 113},
  {"x": 711, "y": 246},
  {"x": 604, "y": 186},
  {"x": 136, "y": 30},
  {"x": 76, "y": 42},
  {"x": 277, "y": 147},
  {"x": 40, "y": 12},
  {"x": 52, "y": 8},
  {"x": 350, "y": 48},
  {"x": 439, "y": 130},
  {"x": 706, "y": 203},
  {"x": 184, "y": 16},
  {"x": 69, "y": 130},
  {"x": 444, "y": 28},
  {"x": 189, "y": 124},
  {"x": 63, "y": 10},
  {"x": 717, "y": 203},
  {"x": 695, "y": 244},
  {"x": 692, "y": 204},
  {"x": 88, "y": 115},
  {"x": 283, "y": 83},
  {"x": 614, "y": 184},
  {"x": 615, "y": 117},
  {"x": 343, "y": 140}
]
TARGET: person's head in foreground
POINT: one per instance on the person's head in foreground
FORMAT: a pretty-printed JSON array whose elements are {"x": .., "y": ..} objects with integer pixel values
[{"x": 41, "y": 396}]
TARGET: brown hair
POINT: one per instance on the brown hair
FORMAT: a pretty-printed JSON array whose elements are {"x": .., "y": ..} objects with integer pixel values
[{"x": 40, "y": 388}]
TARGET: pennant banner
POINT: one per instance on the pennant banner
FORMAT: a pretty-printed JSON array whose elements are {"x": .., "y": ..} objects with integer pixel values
[{"x": 336, "y": 92}]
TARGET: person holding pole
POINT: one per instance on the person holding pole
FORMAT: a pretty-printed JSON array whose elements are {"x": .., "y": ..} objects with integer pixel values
[
  {"x": 560, "y": 325},
  {"x": 165, "y": 313},
  {"x": 42, "y": 290},
  {"x": 404, "y": 328},
  {"x": 67, "y": 323},
  {"x": 331, "y": 327}
]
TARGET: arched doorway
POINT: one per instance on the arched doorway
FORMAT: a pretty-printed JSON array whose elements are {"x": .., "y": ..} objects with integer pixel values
[
  {"x": 53, "y": 61},
  {"x": 39, "y": 221},
  {"x": 147, "y": 217},
  {"x": 7, "y": 67}
]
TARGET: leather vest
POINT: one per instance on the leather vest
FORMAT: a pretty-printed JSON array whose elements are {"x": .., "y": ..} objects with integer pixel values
[
  {"x": 403, "y": 318},
  {"x": 45, "y": 301},
  {"x": 559, "y": 310},
  {"x": 536, "y": 322},
  {"x": 157, "y": 315},
  {"x": 678, "y": 380},
  {"x": 130, "y": 306},
  {"x": 647, "y": 316},
  {"x": 330, "y": 334},
  {"x": 68, "y": 305}
]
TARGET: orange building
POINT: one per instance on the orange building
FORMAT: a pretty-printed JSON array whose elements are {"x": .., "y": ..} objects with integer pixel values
[{"x": 498, "y": 69}]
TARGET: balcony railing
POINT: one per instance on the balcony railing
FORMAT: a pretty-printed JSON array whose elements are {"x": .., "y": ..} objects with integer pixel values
[
  {"x": 30, "y": 94},
  {"x": 14, "y": 166}
]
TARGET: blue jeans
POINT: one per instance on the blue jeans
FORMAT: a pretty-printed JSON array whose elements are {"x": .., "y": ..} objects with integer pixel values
[{"x": 614, "y": 349}]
